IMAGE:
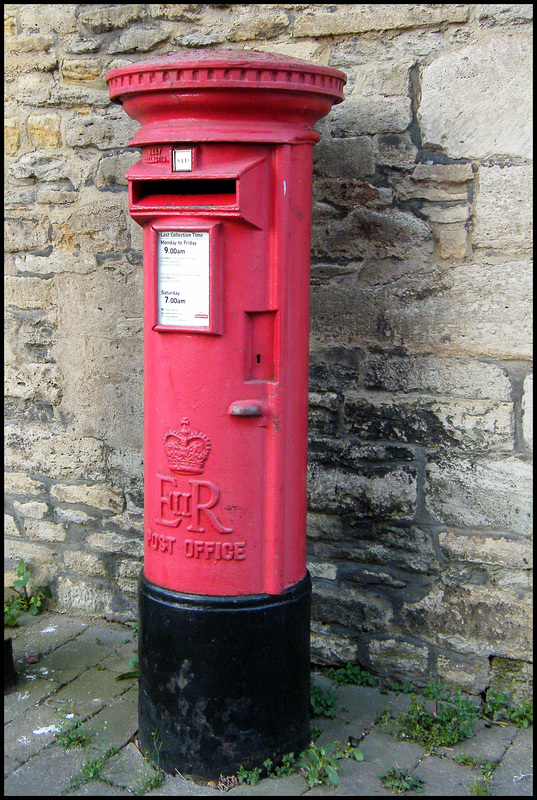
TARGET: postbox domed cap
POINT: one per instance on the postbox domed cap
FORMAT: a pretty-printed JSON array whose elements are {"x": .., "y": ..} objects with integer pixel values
[{"x": 232, "y": 86}]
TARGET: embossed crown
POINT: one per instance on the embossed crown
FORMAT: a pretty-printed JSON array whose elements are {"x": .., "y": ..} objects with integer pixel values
[{"x": 187, "y": 450}]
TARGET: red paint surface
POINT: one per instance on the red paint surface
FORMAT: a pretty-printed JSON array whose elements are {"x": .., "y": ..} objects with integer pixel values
[{"x": 225, "y": 492}]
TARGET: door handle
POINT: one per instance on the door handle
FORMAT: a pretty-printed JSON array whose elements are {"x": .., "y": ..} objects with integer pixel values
[{"x": 249, "y": 408}]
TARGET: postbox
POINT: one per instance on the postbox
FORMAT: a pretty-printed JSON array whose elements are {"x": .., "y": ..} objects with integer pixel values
[{"x": 223, "y": 193}]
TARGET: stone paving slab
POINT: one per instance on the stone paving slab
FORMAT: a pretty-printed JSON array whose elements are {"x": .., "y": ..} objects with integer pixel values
[
  {"x": 116, "y": 724},
  {"x": 45, "y": 634},
  {"x": 444, "y": 777},
  {"x": 88, "y": 693},
  {"x": 99, "y": 789},
  {"x": 30, "y": 733},
  {"x": 488, "y": 744},
  {"x": 26, "y": 695},
  {"x": 360, "y": 779},
  {"x": 128, "y": 769},
  {"x": 291, "y": 786},
  {"x": 79, "y": 661},
  {"x": 514, "y": 776},
  {"x": 47, "y": 773}
]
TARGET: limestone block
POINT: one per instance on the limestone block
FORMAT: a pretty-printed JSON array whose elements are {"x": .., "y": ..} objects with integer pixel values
[
  {"x": 321, "y": 526},
  {"x": 256, "y": 23},
  {"x": 512, "y": 676},
  {"x": 527, "y": 412},
  {"x": 395, "y": 658},
  {"x": 476, "y": 101},
  {"x": 328, "y": 647},
  {"x": 80, "y": 95},
  {"x": 472, "y": 674},
  {"x": 23, "y": 234},
  {"x": 19, "y": 63},
  {"x": 503, "y": 208},
  {"x": 80, "y": 69},
  {"x": 344, "y": 158},
  {"x": 394, "y": 150},
  {"x": 44, "y": 130},
  {"x": 36, "y": 556},
  {"x": 57, "y": 261},
  {"x": 470, "y": 309},
  {"x": 386, "y": 492},
  {"x": 44, "y": 531},
  {"x": 28, "y": 293},
  {"x": 54, "y": 168},
  {"x": 396, "y": 546},
  {"x": 112, "y": 168},
  {"x": 11, "y": 136},
  {"x": 72, "y": 515},
  {"x": 112, "y": 542},
  {"x": 492, "y": 14},
  {"x": 491, "y": 550},
  {"x": 360, "y": 18},
  {"x": 436, "y": 182},
  {"x": 380, "y": 78},
  {"x": 10, "y": 529},
  {"x": 83, "y": 595},
  {"x": 45, "y": 17},
  {"x": 359, "y": 115},
  {"x": 477, "y": 620},
  {"x": 50, "y": 451},
  {"x": 455, "y": 377},
  {"x": 138, "y": 40},
  {"x": 18, "y": 483},
  {"x": 434, "y": 422},
  {"x": 100, "y": 131},
  {"x": 32, "y": 509},
  {"x": 51, "y": 196},
  {"x": 366, "y": 233},
  {"x": 102, "y": 351},
  {"x": 26, "y": 44},
  {"x": 184, "y": 12},
  {"x": 322, "y": 569},
  {"x": 97, "y": 496},
  {"x": 446, "y": 215},
  {"x": 107, "y": 18},
  {"x": 85, "y": 564},
  {"x": 128, "y": 573},
  {"x": 40, "y": 382},
  {"x": 33, "y": 89},
  {"x": 360, "y": 609},
  {"x": 98, "y": 225},
  {"x": 481, "y": 493}
]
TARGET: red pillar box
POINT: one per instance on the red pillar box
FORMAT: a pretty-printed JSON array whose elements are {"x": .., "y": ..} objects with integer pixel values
[{"x": 223, "y": 193}]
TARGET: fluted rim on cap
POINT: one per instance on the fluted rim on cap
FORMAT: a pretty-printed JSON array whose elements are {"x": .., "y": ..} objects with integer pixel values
[{"x": 208, "y": 69}]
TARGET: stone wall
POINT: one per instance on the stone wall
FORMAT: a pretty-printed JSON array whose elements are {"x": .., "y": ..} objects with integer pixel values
[{"x": 421, "y": 387}]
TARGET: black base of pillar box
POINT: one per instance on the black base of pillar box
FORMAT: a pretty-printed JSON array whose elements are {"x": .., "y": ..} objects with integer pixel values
[{"x": 224, "y": 681}]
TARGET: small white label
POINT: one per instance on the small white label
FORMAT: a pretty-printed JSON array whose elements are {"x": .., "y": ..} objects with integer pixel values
[
  {"x": 183, "y": 278},
  {"x": 182, "y": 160}
]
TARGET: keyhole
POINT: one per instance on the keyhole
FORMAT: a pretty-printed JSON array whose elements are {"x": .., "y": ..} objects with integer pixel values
[{"x": 258, "y": 358}]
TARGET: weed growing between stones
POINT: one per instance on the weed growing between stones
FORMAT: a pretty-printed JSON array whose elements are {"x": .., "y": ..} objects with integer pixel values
[
  {"x": 352, "y": 673},
  {"x": 24, "y": 600},
  {"x": 72, "y": 733},
  {"x": 398, "y": 782},
  {"x": 319, "y": 765},
  {"x": 452, "y": 721},
  {"x": 92, "y": 769},
  {"x": 322, "y": 704}
]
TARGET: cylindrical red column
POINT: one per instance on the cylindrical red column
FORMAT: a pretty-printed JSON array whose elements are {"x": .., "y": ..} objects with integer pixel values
[{"x": 223, "y": 193}]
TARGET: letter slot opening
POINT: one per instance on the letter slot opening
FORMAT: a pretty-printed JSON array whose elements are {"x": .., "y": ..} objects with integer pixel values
[{"x": 189, "y": 192}]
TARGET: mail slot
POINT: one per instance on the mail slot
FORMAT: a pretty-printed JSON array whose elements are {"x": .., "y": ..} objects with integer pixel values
[{"x": 223, "y": 194}]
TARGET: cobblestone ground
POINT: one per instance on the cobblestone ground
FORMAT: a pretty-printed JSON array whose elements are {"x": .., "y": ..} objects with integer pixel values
[{"x": 67, "y": 668}]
